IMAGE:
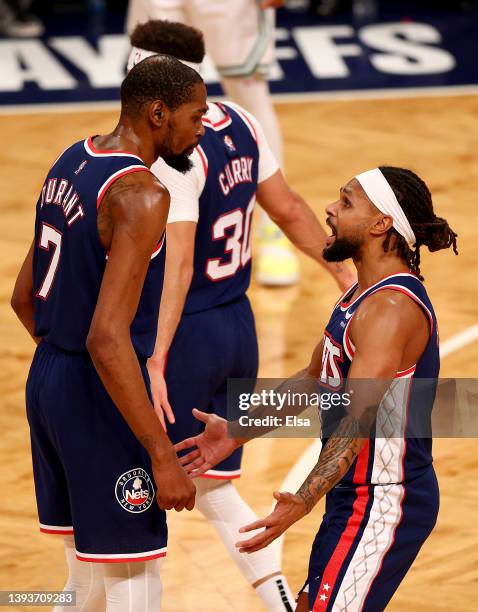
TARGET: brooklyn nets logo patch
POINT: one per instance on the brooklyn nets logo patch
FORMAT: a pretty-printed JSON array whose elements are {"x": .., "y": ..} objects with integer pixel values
[{"x": 134, "y": 490}]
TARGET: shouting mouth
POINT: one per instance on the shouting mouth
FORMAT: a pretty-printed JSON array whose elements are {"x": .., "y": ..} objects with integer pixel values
[{"x": 330, "y": 239}]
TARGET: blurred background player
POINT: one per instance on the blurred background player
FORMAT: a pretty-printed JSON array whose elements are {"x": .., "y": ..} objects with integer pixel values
[
  {"x": 239, "y": 37},
  {"x": 88, "y": 293},
  {"x": 17, "y": 20},
  {"x": 207, "y": 275}
]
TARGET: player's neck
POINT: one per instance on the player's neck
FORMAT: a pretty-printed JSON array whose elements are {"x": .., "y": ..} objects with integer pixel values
[
  {"x": 371, "y": 268},
  {"x": 125, "y": 137}
]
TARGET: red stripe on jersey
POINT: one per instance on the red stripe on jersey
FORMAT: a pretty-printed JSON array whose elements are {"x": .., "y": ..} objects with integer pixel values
[
  {"x": 346, "y": 292},
  {"x": 403, "y": 373},
  {"x": 220, "y": 123},
  {"x": 342, "y": 549},
  {"x": 108, "y": 151},
  {"x": 202, "y": 155},
  {"x": 159, "y": 245},
  {"x": 377, "y": 283},
  {"x": 411, "y": 295},
  {"x": 348, "y": 342},
  {"x": 248, "y": 122},
  {"x": 115, "y": 178}
]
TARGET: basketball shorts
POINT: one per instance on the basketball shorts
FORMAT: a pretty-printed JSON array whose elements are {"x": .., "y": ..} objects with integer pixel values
[
  {"x": 209, "y": 347},
  {"x": 368, "y": 539},
  {"x": 238, "y": 34},
  {"x": 92, "y": 477}
]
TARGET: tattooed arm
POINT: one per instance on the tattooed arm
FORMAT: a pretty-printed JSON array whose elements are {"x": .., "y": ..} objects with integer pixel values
[{"x": 390, "y": 333}]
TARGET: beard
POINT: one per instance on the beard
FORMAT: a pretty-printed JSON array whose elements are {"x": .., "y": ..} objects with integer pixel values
[
  {"x": 341, "y": 249},
  {"x": 180, "y": 162}
]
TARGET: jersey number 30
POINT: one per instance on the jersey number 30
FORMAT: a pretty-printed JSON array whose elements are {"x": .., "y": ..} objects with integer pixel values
[
  {"x": 238, "y": 244},
  {"x": 49, "y": 236}
]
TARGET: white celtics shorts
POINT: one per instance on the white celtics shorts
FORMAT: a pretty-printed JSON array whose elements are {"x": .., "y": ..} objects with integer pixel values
[{"x": 238, "y": 34}]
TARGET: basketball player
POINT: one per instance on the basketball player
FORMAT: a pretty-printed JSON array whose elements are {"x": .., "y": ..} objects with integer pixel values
[
  {"x": 239, "y": 38},
  {"x": 88, "y": 293},
  {"x": 208, "y": 266},
  {"x": 382, "y": 493}
]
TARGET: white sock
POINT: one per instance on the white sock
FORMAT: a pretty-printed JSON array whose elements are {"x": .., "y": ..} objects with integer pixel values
[
  {"x": 222, "y": 505},
  {"x": 133, "y": 587},
  {"x": 276, "y": 594},
  {"x": 86, "y": 579}
]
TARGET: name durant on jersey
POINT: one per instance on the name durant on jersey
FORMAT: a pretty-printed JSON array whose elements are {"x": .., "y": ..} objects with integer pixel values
[{"x": 60, "y": 193}]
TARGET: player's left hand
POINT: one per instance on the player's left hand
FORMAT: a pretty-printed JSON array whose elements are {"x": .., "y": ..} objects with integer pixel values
[
  {"x": 212, "y": 445},
  {"x": 159, "y": 391},
  {"x": 288, "y": 509}
]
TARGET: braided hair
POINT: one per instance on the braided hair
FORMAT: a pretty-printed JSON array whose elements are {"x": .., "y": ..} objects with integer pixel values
[{"x": 416, "y": 201}]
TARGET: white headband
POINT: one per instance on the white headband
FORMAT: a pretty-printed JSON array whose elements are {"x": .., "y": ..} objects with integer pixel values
[
  {"x": 381, "y": 195},
  {"x": 138, "y": 55}
]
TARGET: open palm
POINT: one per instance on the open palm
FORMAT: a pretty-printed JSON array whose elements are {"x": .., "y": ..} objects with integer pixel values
[{"x": 210, "y": 447}]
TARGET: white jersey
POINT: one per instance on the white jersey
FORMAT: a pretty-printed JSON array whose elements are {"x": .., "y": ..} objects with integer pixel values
[{"x": 238, "y": 33}]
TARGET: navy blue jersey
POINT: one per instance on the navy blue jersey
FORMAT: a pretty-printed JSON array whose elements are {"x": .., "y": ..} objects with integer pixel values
[
  {"x": 69, "y": 259},
  {"x": 222, "y": 256},
  {"x": 393, "y": 455}
]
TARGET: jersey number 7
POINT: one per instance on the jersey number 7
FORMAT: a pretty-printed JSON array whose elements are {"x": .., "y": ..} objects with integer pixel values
[{"x": 49, "y": 236}]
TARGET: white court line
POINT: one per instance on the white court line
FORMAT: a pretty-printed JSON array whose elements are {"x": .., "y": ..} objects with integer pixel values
[
  {"x": 294, "y": 479},
  {"x": 309, "y": 457},
  {"x": 458, "y": 341},
  {"x": 311, "y": 96}
]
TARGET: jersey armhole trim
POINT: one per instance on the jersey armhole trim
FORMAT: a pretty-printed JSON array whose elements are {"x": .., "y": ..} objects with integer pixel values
[
  {"x": 246, "y": 120},
  {"x": 114, "y": 177},
  {"x": 203, "y": 157},
  {"x": 411, "y": 295},
  {"x": 94, "y": 152},
  {"x": 218, "y": 125}
]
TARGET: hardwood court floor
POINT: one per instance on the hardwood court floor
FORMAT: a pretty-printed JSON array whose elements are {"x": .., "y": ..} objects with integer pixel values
[{"x": 326, "y": 144}]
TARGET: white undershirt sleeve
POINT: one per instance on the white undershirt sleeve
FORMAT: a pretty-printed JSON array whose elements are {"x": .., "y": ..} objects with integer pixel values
[{"x": 184, "y": 189}]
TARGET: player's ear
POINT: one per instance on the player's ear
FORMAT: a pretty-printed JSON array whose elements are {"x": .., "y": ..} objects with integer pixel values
[
  {"x": 381, "y": 225},
  {"x": 157, "y": 111}
]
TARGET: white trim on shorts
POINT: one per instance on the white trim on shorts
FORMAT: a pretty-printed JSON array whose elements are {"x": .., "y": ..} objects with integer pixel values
[{"x": 121, "y": 558}]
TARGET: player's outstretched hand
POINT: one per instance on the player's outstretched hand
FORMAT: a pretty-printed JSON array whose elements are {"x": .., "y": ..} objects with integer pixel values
[
  {"x": 175, "y": 488},
  {"x": 288, "y": 509},
  {"x": 159, "y": 391},
  {"x": 210, "y": 447}
]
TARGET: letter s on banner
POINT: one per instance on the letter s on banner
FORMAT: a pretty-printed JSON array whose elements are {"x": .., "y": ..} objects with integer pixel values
[{"x": 407, "y": 54}]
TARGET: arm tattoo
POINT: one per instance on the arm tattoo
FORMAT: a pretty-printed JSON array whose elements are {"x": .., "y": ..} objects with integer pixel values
[
  {"x": 121, "y": 187},
  {"x": 150, "y": 443},
  {"x": 335, "y": 459}
]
